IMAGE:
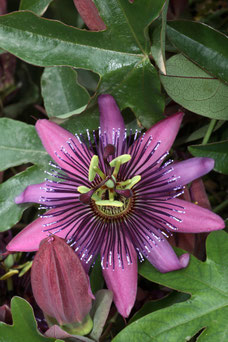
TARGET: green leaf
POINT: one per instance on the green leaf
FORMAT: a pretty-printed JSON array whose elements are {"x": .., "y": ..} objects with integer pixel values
[
  {"x": 118, "y": 54},
  {"x": 61, "y": 92},
  {"x": 19, "y": 144},
  {"x": 96, "y": 277},
  {"x": 100, "y": 312},
  {"x": 194, "y": 89},
  {"x": 24, "y": 328},
  {"x": 218, "y": 151},
  {"x": 36, "y": 6},
  {"x": 10, "y": 212},
  {"x": 154, "y": 305},
  {"x": 128, "y": 21},
  {"x": 80, "y": 123},
  {"x": 207, "y": 309},
  {"x": 158, "y": 43},
  {"x": 197, "y": 134},
  {"x": 140, "y": 90},
  {"x": 202, "y": 44},
  {"x": 65, "y": 12},
  {"x": 48, "y": 43},
  {"x": 27, "y": 93}
]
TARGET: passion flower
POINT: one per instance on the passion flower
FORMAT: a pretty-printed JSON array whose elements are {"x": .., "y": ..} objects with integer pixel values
[{"x": 113, "y": 194}]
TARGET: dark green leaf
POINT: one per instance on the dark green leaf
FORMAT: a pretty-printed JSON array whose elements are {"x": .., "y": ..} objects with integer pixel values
[
  {"x": 19, "y": 144},
  {"x": 27, "y": 94},
  {"x": 218, "y": 151},
  {"x": 207, "y": 309},
  {"x": 202, "y": 44},
  {"x": 149, "y": 307},
  {"x": 10, "y": 212},
  {"x": 66, "y": 12},
  {"x": 48, "y": 43},
  {"x": 139, "y": 90},
  {"x": 158, "y": 37},
  {"x": 36, "y": 6},
  {"x": 194, "y": 89},
  {"x": 118, "y": 54},
  {"x": 80, "y": 123},
  {"x": 198, "y": 133},
  {"x": 128, "y": 21},
  {"x": 96, "y": 277},
  {"x": 24, "y": 328},
  {"x": 61, "y": 92}
]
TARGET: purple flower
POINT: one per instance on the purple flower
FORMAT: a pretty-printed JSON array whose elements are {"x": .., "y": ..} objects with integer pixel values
[{"x": 113, "y": 195}]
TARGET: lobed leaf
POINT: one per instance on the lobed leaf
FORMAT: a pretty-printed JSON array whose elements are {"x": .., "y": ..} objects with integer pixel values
[
  {"x": 207, "y": 309},
  {"x": 119, "y": 54},
  {"x": 24, "y": 328}
]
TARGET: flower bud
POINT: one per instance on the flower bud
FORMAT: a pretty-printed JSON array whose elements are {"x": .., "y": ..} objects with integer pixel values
[{"x": 60, "y": 285}]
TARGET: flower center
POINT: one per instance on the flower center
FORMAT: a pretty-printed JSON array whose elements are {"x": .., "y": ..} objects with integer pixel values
[
  {"x": 109, "y": 195},
  {"x": 110, "y": 212}
]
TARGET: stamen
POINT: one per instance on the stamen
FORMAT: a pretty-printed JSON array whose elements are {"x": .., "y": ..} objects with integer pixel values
[
  {"x": 93, "y": 164},
  {"x": 83, "y": 189},
  {"x": 108, "y": 203},
  {"x": 133, "y": 181},
  {"x": 124, "y": 158}
]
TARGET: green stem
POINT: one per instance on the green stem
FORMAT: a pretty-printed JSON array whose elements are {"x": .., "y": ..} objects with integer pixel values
[
  {"x": 221, "y": 206},
  {"x": 209, "y": 131},
  {"x": 9, "y": 282}
]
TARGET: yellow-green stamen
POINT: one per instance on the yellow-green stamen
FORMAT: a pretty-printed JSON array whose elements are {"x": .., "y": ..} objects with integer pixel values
[{"x": 104, "y": 195}]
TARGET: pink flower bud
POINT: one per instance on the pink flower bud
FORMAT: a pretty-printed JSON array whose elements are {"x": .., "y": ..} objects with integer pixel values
[{"x": 59, "y": 283}]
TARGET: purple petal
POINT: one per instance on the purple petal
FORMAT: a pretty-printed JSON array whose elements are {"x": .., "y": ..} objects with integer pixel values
[
  {"x": 182, "y": 173},
  {"x": 28, "y": 240},
  {"x": 162, "y": 256},
  {"x": 187, "y": 217},
  {"x": 41, "y": 193},
  {"x": 56, "y": 140},
  {"x": 32, "y": 193},
  {"x": 110, "y": 118},
  {"x": 122, "y": 281},
  {"x": 156, "y": 141}
]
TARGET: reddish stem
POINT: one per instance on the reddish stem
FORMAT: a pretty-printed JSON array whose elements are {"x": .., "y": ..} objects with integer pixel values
[{"x": 90, "y": 14}]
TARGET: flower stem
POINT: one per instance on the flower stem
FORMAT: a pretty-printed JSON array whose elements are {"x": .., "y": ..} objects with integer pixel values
[
  {"x": 209, "y": 131},
  {"x": 9, "y": 282},
  {"x": 221, "y": 206}
]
